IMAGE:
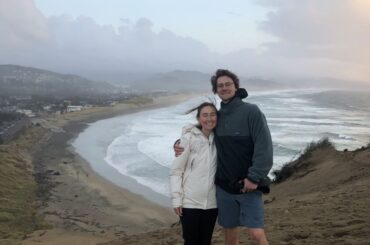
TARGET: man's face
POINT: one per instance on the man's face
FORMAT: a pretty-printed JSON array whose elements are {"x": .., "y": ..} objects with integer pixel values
[{"x": 225, "y": 88}]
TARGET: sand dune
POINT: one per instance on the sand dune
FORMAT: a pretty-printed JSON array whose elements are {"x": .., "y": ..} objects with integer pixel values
[
  {"x": 324, "y": 201},
  {"x": 79, "y": 205}
]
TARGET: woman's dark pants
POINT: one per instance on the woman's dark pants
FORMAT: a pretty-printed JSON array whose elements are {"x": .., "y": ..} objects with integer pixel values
[{"x": 197, "y": 225}]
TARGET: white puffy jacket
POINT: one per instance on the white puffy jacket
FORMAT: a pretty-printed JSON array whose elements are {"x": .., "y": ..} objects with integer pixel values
[{"x": 193, "y": 172}]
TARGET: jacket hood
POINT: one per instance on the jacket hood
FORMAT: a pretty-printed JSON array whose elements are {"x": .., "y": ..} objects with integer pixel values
[
  {"x": 191, "y": 128},
  {"x": 195, "y": 130},
  {"x": 241, "y": 93}
]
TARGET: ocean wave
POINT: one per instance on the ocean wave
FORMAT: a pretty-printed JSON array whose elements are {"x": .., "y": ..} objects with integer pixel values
[{"x": 141, "y": 145}]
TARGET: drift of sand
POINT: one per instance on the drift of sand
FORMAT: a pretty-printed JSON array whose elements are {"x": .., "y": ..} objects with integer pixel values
[
  {"x": 84, "y": 208},
  {"x": 326, "y": 201}
]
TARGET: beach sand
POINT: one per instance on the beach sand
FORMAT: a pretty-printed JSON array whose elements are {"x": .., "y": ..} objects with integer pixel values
[
  {"x": 80, "y": 205},
  {"x": 325, "y": 201}
]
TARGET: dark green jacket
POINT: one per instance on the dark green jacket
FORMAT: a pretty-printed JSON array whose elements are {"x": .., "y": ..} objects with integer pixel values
[{"x": 244, "y": 146}]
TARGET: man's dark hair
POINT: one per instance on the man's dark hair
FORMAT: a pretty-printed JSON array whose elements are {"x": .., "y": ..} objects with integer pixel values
[{"x": 221, "y": 73}]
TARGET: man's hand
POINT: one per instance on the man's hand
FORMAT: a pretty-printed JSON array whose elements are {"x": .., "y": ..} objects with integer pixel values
[
  {"x": 178, "y": 149},
  {"x": 178, "y": 211},
  {"x": 248, "y": 186}
]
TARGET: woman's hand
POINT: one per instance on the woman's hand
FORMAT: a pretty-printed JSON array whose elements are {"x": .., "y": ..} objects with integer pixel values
[{"x": 178, "y": 211}]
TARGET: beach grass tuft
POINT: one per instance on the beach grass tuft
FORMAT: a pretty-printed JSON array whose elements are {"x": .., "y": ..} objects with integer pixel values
[
  {"x": 290, "y": 168},
  {"x": 18, "y": 203}
]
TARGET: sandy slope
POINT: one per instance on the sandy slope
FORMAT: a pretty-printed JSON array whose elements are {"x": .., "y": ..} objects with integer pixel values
[
  {"x": 326, "y": 201},
  {"x": 81, "y": 206}
]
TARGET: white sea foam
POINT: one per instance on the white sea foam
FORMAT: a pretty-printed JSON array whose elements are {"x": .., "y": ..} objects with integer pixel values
[{"x": 140, "y": 145}]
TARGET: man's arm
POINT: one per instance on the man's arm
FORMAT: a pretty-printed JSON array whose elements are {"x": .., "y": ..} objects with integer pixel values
[
  {"x": 177, "y": 148},
  {"x": 263, "y": 150}
]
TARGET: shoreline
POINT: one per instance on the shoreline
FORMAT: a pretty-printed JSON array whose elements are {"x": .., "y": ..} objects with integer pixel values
[
  {"x": 96, "y": 159},
  {"x": 125, "y": 182},
  {"x": 102, "y": 212},
  {"x": 91, "y": 145},
  {"x": 81, "y": 204}
]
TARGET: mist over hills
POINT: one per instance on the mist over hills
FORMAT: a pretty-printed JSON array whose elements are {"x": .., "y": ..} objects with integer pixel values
[
  {"x": 19, "y": 80},
  {"x": 180, "y": 80},
  {"x": 326, "y": 83},
  {"x": 177, "y": 80},
  {"x": 195, "y": 80}
]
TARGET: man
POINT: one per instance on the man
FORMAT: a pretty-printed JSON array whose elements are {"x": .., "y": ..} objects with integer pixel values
[{"x": 244, "y": 158}]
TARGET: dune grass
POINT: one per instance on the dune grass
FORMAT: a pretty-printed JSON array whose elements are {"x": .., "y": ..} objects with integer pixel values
[
  {"x": 18, "y": 207},
  {"x": 287, "y": 170}
]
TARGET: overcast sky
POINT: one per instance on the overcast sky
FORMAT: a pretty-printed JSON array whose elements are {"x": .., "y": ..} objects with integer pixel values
[{"x": 265, "y": 38}]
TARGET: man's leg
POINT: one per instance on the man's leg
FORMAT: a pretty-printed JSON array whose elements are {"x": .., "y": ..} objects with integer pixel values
[
  {"x": 231, "y": 236},
  {"x": 228, "y": 215},
  {"x": 258, "y": 236},
  {"x": 252, "y": 216}
]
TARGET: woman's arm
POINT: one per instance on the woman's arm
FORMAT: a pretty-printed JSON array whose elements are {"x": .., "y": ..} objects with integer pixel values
[{"x": 177, "y": 173}]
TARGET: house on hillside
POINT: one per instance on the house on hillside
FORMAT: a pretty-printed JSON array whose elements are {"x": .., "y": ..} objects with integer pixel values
[
  {"x": 72, "y": 108},
  {"x": 28, "y": 113}
]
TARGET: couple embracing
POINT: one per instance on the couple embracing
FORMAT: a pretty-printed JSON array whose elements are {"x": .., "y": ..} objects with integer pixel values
[{"x": 221, "y": 167}]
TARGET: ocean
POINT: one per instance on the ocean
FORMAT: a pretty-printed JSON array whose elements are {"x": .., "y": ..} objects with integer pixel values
[{"x": 138, "y": 147}]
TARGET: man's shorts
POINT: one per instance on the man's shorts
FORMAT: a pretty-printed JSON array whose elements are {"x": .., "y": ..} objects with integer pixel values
[{"x": 240, "y": 209}]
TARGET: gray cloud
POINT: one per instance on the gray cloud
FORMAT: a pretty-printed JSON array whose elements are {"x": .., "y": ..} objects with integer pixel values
[
  {"x": 315, "y": 38},
  {"x": 324, "y": 38},
  {"x": 22, "y": 27},
  {"x": 81, "y": 45}
]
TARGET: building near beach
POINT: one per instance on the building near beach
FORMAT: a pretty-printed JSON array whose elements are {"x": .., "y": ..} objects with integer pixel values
[{"x": 72, "y": 108}]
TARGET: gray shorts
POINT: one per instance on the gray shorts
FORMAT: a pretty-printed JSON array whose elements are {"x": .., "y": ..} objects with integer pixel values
[{"x": 240, "y": 209}]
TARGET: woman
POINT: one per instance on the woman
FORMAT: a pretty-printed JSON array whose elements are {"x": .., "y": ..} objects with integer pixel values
[{"x": 192, "y": 175}]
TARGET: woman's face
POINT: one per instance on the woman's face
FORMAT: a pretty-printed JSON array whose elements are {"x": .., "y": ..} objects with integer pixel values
[{"x": 208, "y": 118}]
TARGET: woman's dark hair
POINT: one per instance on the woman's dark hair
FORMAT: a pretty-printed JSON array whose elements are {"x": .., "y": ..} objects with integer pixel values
[
  {"x": 199, "y": 109},
  {"x": 221, "y": 73}
]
